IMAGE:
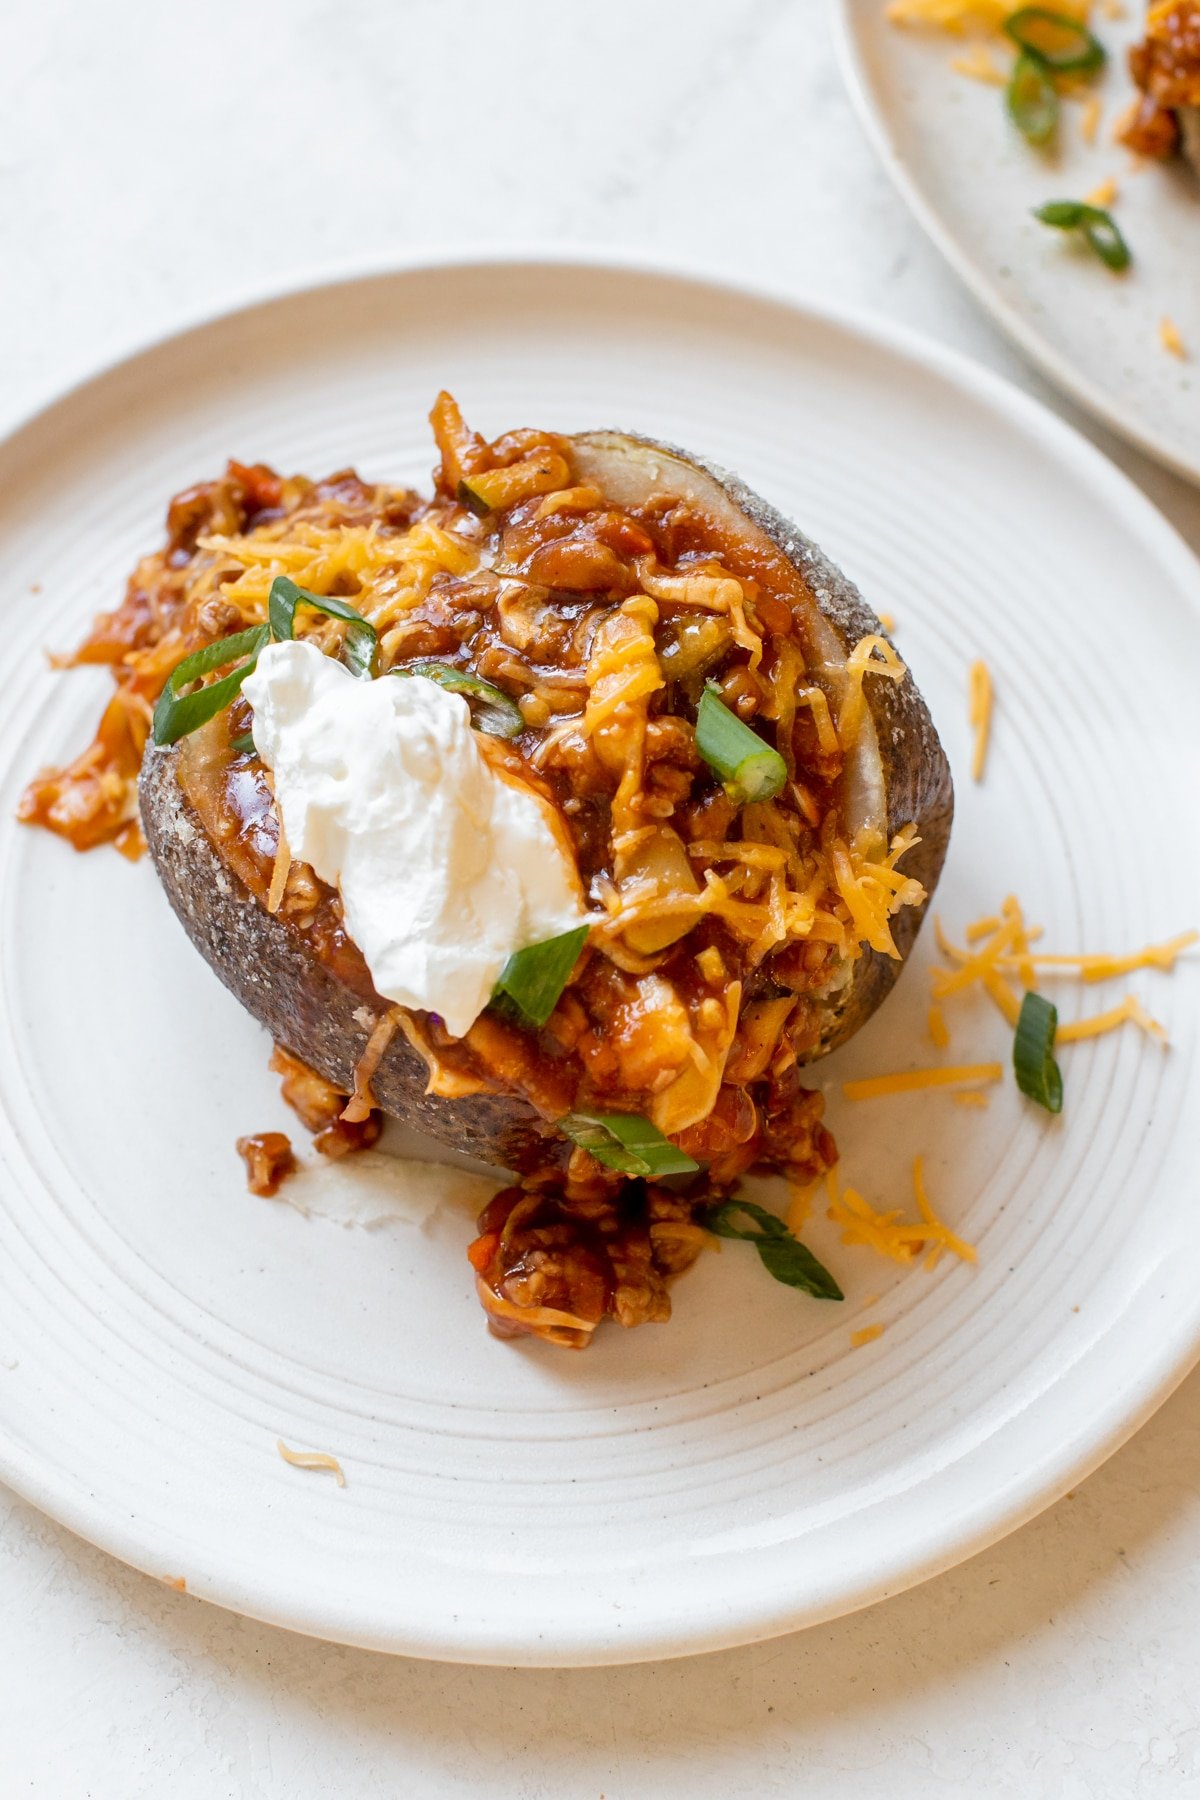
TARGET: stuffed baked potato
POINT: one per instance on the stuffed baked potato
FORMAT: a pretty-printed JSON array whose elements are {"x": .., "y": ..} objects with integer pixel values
[{"x": 736, "y": 766}]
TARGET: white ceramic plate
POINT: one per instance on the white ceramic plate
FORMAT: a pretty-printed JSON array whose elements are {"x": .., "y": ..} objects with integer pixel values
[
  {"x": 744, "y": 1470},
  {"x": 972, "y": 182}
]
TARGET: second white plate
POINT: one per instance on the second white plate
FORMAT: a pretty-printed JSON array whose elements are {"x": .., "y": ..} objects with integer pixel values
[
  {"x": 973, "y": 182},
  {"x": 744, "y": 1469}
]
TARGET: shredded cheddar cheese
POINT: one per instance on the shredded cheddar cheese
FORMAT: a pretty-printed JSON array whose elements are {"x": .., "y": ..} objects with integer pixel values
[
  {"x": 279, "y": 873},
  {"x": 1089, "y": 127},
  {"x": 359, "y": 1105},
  {"x": 981, "y": 928},
  {"x": 1104, "y": 194},
  {"x": 972, "y": 1097},
  {"x": 890, "y": 1234},
  {"x": 866, "y": 1334},
  {"x": 978, "y": 64},
  {"x": 882, "y": 1232},
  {"x": 870, "y": 656},
  {"x": 534, "y": 1318},
  {"x": 1169, "y": 338},
  {"x": 800, "y": 1209},
  {"x": 1007, "y": 952},
  {"x": 938, "y": 1029},
  {"x": 1129, "y": 1010},
  {"x": 943, "y": 1237},
  {"x": 979, "y": 703},
  {"x": 912, "y": 1080},
  {"x": 956, "y": 16},
  {"x": 679, "y": 1231},
  {"x": 1010, "y": 940},
  {"x": 961, "y": 16},
  {"x": 312, "y": 1459},
  {"x": 389, "y": 574}
]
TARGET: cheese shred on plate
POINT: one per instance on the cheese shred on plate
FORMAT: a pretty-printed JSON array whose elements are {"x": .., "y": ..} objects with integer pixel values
[
  {"x": 1169, "y": 338},
  {"x": 890, "y": 1234},
  {"x": 962, "y": 16},
  {"x": 979, "y": 705},
  {"x": 312, "y": 1459},
  {"x": 909, "y": 1081},
  {"x": 1104, "y": 195},
  {"x": 978, "y": 64},
  {"x": 1004, "y": 964},
  {"x": 1089, "y": 125},
  {"x": 866, "y": 1334}
]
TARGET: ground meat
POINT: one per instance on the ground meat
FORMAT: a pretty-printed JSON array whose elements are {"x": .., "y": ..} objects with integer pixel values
[
  {"x": 1150, "y": 130},
  {"x": 1165, "y": 66},
  {"x": 269, "y": 1160},
  {"x": 585, "y": 1257},
  {"x": 319, "y": 1106}
]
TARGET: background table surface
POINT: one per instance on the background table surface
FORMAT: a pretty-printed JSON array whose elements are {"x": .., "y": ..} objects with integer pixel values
[{"x": 158, "y": 161}]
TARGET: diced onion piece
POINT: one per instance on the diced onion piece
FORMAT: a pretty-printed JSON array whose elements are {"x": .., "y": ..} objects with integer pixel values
[{"x": 657, "y": 867}]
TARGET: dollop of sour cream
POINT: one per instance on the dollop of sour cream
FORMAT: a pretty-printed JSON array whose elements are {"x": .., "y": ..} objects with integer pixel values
[{"x": 444, "y": 866}]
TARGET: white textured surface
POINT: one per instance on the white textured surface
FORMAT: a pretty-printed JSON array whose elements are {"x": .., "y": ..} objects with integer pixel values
[{"x": 1065, "y": 1661}]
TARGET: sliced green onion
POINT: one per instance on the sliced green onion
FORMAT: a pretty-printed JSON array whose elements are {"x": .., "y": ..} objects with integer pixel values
[
  {"x": 1098, "y": 227},
  {"x": 1038, "y": 1075},
  {"x": 781, "y": 1254},
  {"x": 361, "y": 638},
  {"x": 243, "y": 746},
  {"x": 626, "y": 1142},
  {"x": 474, "y": 502},
  {"x": 749, "y": 768},
  {"x": 491, "y": 709},
  {"x": 534, "y": 978},
  {"x": 177, "y": 714},
  {"x": 1032, "y": 99},
  {"x": 1063, "y": 44}
]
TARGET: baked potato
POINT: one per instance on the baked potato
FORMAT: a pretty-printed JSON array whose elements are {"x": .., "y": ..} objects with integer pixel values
[{"x": 743, "y": 772}]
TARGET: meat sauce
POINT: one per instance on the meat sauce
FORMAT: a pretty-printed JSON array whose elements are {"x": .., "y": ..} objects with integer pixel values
[
  {"x": 1165, "y": 66},
  {"x": 534, "y": 598}
]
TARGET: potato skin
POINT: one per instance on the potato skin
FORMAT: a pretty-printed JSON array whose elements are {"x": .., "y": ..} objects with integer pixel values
[
  {"x": 290, "y": 991},
  {"x": 916, "y": 772},
  {"x": 920, "y": 790},
  {"x": 307, "y": 1010}
]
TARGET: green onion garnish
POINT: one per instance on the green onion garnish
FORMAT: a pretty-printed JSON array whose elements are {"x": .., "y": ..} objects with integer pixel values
[
  {"x": 750, "y": 769},
  {"x": 626, "y": 1142},
  {"x": 176, "y": 713},
  {"x": 1061, "y": 43},
  {"x": 243, "y": 746},
  {"x": 473, "y": 501},
  {"x": 1098, "y": 227},
  {"x": 534, "y": 978},
  {"x": 1038, "y": 1075},
  {"x": 782, "y": 1255},
  {"x": 361, "y": 638},
  {"x": 1032, "y": 99},
  {"x": 491, "y": 709}
]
